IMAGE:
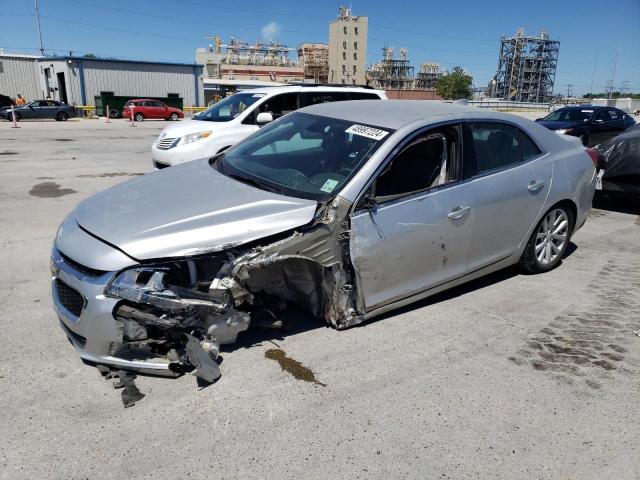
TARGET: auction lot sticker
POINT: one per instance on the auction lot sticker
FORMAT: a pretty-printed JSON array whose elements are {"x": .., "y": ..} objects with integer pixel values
[{"x": 368, "y": 132}]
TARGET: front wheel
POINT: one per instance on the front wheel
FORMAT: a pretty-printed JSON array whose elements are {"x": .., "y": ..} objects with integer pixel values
[
  {"x": 62, "y": 117},
  {"x": 173, "y": 117},
  {"x": 138, "y": 117},
  {"x": 549, "y": 241}
]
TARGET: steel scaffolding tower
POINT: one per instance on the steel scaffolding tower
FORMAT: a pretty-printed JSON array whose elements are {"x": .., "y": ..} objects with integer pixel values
[
  {"x": 391, "y": 73},
  {"x": 428, "y": 75},
  {"x": 526, "y": 67}
]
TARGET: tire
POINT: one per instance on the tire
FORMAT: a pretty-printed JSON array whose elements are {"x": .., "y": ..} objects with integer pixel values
[
  {"x": 62, "y": 117},
  {"x": 138, "y": 117},
  {"x": 113, "y": 113},
  {"x": 10, "y": 117},
  {"x": 174, "y": 117},
  {"x": 545, "y": 249}
]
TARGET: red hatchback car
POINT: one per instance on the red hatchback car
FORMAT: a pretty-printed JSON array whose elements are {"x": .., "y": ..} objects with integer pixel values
[{"x": 147, "y": 108}]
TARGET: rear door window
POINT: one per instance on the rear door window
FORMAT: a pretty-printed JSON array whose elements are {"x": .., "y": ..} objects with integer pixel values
[
  {"x": 364, "y": 96},
  {"x": 499, "y": 145},
  {"x": 315, "y": 97}
]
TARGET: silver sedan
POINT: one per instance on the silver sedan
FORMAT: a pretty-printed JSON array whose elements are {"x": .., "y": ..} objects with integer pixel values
[{"x": 346, "y": 209}]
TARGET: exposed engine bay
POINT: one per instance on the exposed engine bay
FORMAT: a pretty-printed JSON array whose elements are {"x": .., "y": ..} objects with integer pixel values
[{"x": 184, "y": 310}]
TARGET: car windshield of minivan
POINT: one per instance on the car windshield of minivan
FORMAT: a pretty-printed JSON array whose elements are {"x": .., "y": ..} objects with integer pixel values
[
  {"x": 303, "y": 155},
  {"x": 569, "y": 115},
  {"x": 229, "y": 108}
]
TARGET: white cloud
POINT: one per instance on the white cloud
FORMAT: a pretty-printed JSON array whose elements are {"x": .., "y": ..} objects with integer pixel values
[{"x": 270, "y": 31}]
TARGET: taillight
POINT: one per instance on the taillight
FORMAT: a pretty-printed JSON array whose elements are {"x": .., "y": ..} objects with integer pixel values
[{"x": 594, "y": 155}]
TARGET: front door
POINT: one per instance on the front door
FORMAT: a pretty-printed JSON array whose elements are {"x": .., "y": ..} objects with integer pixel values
[
  {"x": 607, "y": 123},
  {"x": 416, "y": 236}
]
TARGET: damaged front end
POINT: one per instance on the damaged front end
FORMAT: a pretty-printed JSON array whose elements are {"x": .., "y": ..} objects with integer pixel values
[{"x": 183, "y": 311}]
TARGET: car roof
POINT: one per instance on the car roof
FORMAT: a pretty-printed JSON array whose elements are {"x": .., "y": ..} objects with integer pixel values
[
  {"x": 395, "y": 114},
  {"x": 310, "y": 88}
]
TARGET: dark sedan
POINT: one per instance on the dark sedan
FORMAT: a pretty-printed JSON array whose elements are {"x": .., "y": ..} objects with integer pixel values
[
  {"x": 593, "y": 125},
  {"x": 41, "y": 109}
]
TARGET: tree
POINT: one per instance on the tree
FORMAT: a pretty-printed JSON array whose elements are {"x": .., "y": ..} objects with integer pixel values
[{"x": 455, "y": 84}]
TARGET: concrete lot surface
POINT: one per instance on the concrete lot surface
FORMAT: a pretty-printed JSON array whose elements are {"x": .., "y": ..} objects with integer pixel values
[{"x": 509, "y": 377}]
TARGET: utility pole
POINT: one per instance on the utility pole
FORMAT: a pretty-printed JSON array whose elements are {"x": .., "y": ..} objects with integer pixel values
[
  {"x": 569, "y": 85},
  {"x": 37, "y": 11},
  {"x": 614, "y": 65},
  {"x": 593, "y": 76}
]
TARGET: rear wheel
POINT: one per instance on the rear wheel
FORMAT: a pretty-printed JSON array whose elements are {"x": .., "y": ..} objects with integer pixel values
[
  {"x": 62, "y": 117},
  {"x": 173, "y": 117},
  {"x": 138, "y": 117},
  {"x": 113, "y": 113},
  {"x": 549, "y": 240}
]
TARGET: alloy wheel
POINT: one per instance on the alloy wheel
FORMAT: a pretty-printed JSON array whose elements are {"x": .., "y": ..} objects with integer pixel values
[{"x": 552, "y": 236}]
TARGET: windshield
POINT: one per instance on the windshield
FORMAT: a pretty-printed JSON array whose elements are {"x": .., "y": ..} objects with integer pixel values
[
  {"x": 229, "y": 108},
  {"x": 569, "y": 115},
  {"x": 303, "y": 155}
]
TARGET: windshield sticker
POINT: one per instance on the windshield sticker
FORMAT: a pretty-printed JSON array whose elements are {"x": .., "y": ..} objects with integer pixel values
[
  {"x": 368, "y": 132},
  {"x": 329, "y": 185}
]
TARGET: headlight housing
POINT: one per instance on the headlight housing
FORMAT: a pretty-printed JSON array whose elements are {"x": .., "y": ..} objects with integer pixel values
[{"x": 195, "y": 137}]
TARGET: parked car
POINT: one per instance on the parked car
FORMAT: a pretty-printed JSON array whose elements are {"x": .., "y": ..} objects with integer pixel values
[
  {"x": 236, "y": 117},
  {"x": 150, "y": 109},
  {"x": 347, "y": 210},
  {"x": 593, "y": 125},
  {"x": 619, "y": 163},
  {"x": 6, "y": 102},
  {"x": 41, "y": 109}
]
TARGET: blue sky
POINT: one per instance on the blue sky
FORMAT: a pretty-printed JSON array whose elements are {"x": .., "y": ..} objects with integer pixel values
[{"x": 450, "y": 33}]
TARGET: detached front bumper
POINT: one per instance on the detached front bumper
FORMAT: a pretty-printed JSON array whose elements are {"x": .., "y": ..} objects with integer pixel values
[{"x": 86, "y": 317}]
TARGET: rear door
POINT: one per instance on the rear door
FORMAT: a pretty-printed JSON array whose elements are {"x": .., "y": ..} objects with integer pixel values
[
  {"x": 416, "y": 236},
  {"x": 508, "y": 188}
]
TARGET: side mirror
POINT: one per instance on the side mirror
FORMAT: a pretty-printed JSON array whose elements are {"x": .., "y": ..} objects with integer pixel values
[
  {"x": 369, "y": 201},
  {"x": 263, "y": 118}
]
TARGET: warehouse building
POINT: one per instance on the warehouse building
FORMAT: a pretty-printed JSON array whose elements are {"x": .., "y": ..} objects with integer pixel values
[{"x": 82, "y": 80}]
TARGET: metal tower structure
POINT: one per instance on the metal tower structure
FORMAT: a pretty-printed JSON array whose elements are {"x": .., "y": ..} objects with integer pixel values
[
  {"x": 527, "y": 67},
  {"x": 391, "y": 73},
  {"x": 428, "y": 75}
]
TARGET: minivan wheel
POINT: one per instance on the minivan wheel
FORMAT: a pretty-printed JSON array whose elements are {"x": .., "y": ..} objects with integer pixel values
[
  {"x": 138, "y": 117},
  {"x": 549, "y": 240},
  {"x": 173, "y": 117}
]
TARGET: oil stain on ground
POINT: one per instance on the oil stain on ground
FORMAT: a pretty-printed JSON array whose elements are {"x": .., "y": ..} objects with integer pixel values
[
  {"x": 295, "y": 368},
  {"x": 7, "y": 152},
  {"x": 114, "y": 174},
  {"x": 592, "y": 342},
  {"x": 64, "y": 139},
  {"x": 49, "y": 190}
]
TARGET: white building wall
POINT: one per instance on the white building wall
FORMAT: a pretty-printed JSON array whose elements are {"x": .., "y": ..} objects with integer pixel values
[
  {"x": 140, "y": 79},
  {"x": 19, "y": 74}
]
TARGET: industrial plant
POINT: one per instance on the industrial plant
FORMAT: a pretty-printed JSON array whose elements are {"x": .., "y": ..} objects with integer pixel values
[{"x": 526, "y": 68}]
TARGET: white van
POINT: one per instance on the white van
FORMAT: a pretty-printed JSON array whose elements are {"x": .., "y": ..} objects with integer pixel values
[{"x": 238, "y": 116}]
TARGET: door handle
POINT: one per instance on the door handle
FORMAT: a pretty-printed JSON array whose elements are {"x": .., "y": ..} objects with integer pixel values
[
  {"x": 458, "y": 212},
  {"x": 534, "y": 186}
]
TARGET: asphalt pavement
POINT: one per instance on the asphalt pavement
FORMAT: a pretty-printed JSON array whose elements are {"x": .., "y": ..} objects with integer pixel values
[{"x": 512, "y": 376}]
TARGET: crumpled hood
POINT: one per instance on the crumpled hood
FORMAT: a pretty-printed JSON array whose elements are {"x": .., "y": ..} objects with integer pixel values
[{"x": 186, "y": 210}]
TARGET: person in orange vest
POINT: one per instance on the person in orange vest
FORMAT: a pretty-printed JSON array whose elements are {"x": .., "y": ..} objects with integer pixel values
[{"x": 20, "y": 101}]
